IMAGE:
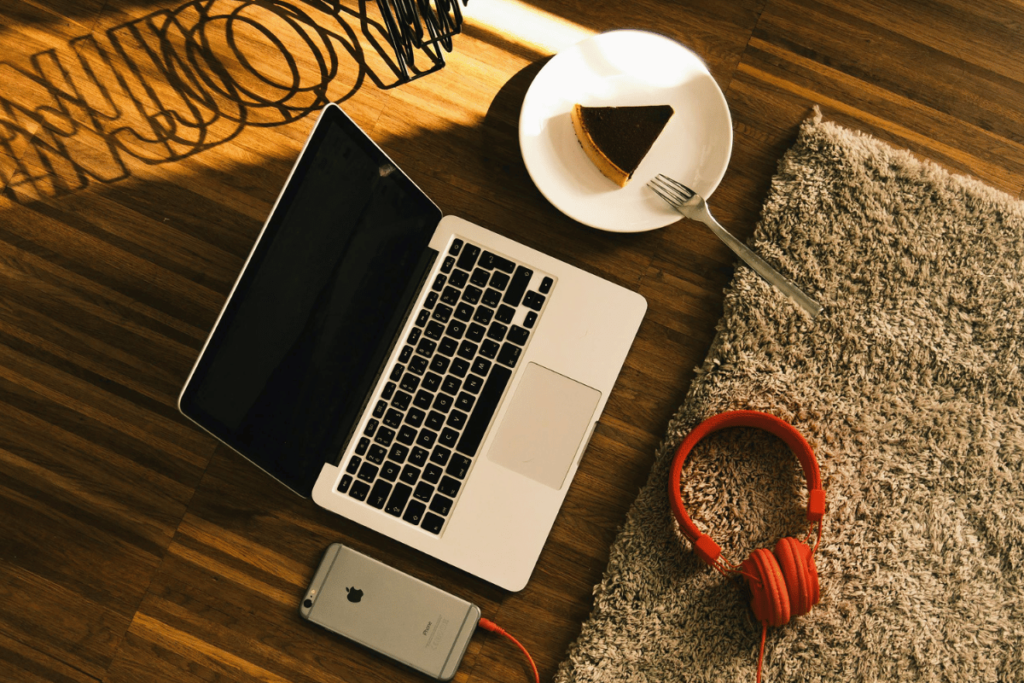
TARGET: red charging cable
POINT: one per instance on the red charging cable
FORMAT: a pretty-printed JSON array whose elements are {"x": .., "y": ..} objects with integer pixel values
[{"x": 489, "y": 625}]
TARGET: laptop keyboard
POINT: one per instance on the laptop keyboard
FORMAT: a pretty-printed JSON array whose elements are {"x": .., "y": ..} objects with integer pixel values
[{"x": 417, "y": 448}]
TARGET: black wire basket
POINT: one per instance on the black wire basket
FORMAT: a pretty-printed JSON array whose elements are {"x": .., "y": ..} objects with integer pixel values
[{"x": 424, "y": 26}]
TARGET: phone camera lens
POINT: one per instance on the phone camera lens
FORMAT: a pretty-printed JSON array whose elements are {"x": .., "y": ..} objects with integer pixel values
[{"x": 308, "y": 603}]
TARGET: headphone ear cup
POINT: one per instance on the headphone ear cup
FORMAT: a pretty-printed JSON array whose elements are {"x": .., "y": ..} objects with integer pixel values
[
  {"x": 769, "y": 595},
  {"x": 800, "y": 574}
]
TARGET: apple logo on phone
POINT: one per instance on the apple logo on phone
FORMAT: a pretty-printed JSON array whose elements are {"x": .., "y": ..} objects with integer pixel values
[{"x": 354, "y": 594}]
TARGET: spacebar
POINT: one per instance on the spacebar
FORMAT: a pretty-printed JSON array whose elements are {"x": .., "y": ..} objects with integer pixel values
[{"x": 486, "y": 404}]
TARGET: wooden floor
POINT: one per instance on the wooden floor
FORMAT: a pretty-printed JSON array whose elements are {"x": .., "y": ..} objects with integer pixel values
[{"x": 132, "y": 546}]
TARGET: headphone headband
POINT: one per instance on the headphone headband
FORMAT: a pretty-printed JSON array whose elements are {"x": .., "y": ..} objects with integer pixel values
[{"x": 707, "y": 549}]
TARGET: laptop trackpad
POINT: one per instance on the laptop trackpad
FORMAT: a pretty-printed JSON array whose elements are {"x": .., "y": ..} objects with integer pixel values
[{"x": 544, "y": 425}]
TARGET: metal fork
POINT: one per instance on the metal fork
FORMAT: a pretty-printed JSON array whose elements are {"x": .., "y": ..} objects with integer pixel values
[{"x": 692, "y": 205}]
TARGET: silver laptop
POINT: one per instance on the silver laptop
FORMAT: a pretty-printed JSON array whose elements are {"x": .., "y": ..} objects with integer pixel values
[{"x": 417, "y": 374}]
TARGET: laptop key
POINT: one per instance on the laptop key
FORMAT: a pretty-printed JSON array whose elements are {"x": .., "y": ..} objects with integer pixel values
[
  {"x": 393, "y": 419},
  {"x": 449, "y": 262},
  {"x": 487, "y": 403},
  {"x": 516, "y": 289},
  {"x": 396, "y": 372},
  {"x": 371, "y": 427},
  {"x": 406, "y": 435},
  {"x": 368, "y": 472},
  {"x": 449, "y": 487},
  {"x": 476, "y": 332},
  {"x": 440, "y": 455},
  {"x": 434, "y": 330},
  {"x": 389, "y": 389},
  {"x": 443, "y": 402},
  {"x": 423, "y": 399},
  {"x": 376, "y": 454},
  {"x": 426, "y": 438},
  {"x": 398, "y": 453},
  {"x": 449, "y": 437},
  {"x": 472, "y": 295},
  {"x": 414, "y": 418},
  {"x": 401, "y": 400},
  {"x": 486, "y": 260},
  {"x": 432, "y": 523},
  {"x": 399, "y": 497},
  {"x": 458, "y": 278},
  {"x": 424, "y": 492},
  {"x": 509, "y": 355},
  {"x": 409, "y": 383},
  {"x": 473, "y": 384},
  {"x": 480, "y": 277},
  {"x": 346, "y": 481},
  {"x": 456, "y": 328},
  {"x": 481, "y": 366},
  {"x": 491, "y": 297},
  {"x": 378, "y": 410},
  {"x": 456, "y": 419},
  {"x": 517, "y": 335},
  {"x": 483, "y": 315},
  {"x": 435, "y": 420},
  {"x": 497, "y": 331},
  {"x": 405, "y": 355},
  {"x": 467, "y": 349},
  {"x": 464, "y": 312},
  {"x": 363, "y": 444},
  {"x": 442, "y": 505},
  {"x": 414, "y": 512},
  {"x": 467, "y": 259},
  {"x": 442, "y": 313},
  {"x": 439, "y": 282},
  {"x": 414, "y": 336},
  {"x": 503, "y": 264},
  {"x": 439, "y": 365},
  {"x": 499, "y": 280},
  {"x": 360, "y": 489},
  {"x": 451, "y": 385},
  {"x": 458, "y": 467},
  {"x": 489, "y": 349},
  {"x": 450, "y": 296},
  {"x": 505, "y": 314},
  {"x": 353, "y": 464},
  {"x": 545, "y": 285},
  {"x": 432, "y": 473},
  {"x": 455, "y": 247},
  {"x": 390, "y": 471},
  {"x": 422, "y": 318},
  {"x": 379, "y": 494},
  {"x": 464, "y": 402},
  {"x": 418, "y": 456},
  {"x": 410, "y": 475},
  {"x": 533, "y": 300},
  {"x": 431, "y": 382},
  {"x": 447, "y": 346},
  {"x": 531, "y": 319},
  {"x": 384, "y": 436},
  {"x": 430, "y": 300},
  {"x": 459, "y": 367},
  {"x": 418, "y": 365}
]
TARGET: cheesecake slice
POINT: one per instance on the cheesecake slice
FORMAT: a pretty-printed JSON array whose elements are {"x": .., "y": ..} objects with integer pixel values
[{"x": 618, "y": 138}]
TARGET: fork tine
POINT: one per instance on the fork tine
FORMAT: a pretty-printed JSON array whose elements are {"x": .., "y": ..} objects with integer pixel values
[
  {"x": 676, "y": 185},
  {"x": 666, "y": 191}
]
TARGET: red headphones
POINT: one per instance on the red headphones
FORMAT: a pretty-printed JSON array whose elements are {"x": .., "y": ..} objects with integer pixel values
[{"x": 785, "y": 583}]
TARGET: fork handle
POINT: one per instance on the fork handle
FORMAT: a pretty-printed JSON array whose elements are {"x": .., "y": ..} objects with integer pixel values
[{"x": 761, "y": 266}]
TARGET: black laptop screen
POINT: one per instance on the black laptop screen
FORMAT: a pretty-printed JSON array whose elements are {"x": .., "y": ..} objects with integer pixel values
[{"x": 302, "y": 337}]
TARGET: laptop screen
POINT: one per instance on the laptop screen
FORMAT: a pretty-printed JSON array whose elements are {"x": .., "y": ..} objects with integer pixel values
[{"x": 302, "y": 337}]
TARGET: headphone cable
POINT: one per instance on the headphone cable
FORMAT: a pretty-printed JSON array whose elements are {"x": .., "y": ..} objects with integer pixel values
[{"x": 489, "y": 625}]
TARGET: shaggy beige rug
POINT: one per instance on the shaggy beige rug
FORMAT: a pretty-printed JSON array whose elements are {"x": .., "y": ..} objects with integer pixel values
[{"x": 910, "y": 389}]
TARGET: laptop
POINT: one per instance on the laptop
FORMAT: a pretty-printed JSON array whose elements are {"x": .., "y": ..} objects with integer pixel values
[{"x": 415, "y": 373}]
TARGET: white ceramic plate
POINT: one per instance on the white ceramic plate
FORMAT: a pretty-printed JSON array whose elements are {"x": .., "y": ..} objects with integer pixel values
[{"x": 624, "y": 68}]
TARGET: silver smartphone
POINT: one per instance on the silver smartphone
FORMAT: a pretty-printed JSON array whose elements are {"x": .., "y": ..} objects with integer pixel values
[{"x": 390, "y": 612}]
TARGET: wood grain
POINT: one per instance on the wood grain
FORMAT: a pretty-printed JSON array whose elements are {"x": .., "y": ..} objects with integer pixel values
[{"x": 134, "y": 181}]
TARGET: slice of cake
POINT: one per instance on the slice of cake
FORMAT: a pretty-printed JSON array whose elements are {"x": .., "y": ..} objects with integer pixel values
[{"x": 618, "y": 138}]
